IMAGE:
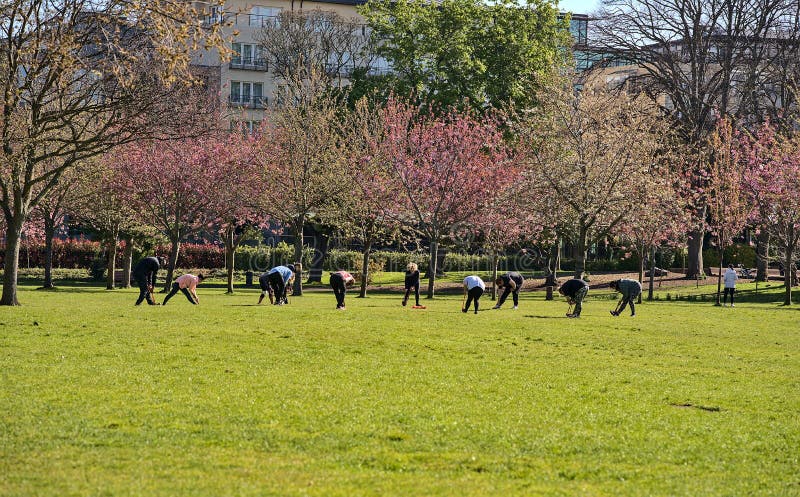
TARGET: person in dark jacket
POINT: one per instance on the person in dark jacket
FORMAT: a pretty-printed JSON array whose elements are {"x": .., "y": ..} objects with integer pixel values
[
  {"x": 144, "y": 273},
  {"x": 575, "y": 291},
  {"x": 510, "y": 283},
  {"x": 412, "y": 283},
  {"x": 630, "y": 290}
]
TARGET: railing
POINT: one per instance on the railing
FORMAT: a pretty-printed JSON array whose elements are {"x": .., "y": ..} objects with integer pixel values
[
  {"x": 248, "y": 101},
  {"x": 249, "y": 63}
]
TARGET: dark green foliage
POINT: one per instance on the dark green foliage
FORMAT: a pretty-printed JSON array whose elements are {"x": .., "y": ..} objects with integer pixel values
[{"x": 467, "y": 53}]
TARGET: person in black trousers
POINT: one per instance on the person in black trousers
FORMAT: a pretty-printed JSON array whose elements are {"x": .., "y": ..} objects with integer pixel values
[
  {"x": 575, "y": 291},
  {"x": 473, "y": 289},
  {"x": 274, "y": 282},
  {"x": 510, "y": 282},
  {"x": 145, "y": 275},
  {"x": 340, "y": 280},
  {"x": 412, "y": 283}
]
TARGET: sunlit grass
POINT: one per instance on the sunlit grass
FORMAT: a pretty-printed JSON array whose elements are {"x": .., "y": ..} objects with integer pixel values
[{"x": 98, "y": 397}]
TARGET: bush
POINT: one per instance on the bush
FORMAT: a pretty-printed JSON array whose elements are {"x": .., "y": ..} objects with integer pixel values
[
  {"x": 71, "y": 253},
  {"x": 738, "y": 253}
]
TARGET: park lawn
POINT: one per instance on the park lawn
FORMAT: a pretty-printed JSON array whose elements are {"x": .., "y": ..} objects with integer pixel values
[{"x": 98, "y": 397}]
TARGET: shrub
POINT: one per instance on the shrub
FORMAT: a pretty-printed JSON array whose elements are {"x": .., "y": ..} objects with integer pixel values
[{"x": 738, "y": 253}]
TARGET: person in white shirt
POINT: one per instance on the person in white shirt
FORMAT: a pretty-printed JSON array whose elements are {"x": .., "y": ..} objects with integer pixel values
[
  {"x": 473, "y": 289},
  {"x": 730, "y": 284}
]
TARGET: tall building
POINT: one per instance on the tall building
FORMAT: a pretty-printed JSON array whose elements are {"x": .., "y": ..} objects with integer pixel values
[{"x": 244, "y": 82}]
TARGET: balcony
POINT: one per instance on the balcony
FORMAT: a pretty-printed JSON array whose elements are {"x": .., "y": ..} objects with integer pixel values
[
  {"x": 248, "y": 63},
  {"x": 247, "y": 101}
]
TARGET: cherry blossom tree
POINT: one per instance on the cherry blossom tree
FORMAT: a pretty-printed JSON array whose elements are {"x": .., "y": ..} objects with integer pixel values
[
  {"x": 446, "y": 166},
  {"x": 504, "y": 222},
  {"x": 173, "y": 185},
  {"x": 728, "y": 206},
  {"x": 104, "y": 205},
  {"x": 236, "y": 199},
  {"x": 771, "y": 181},
  {"x": 366, "y": 209}
]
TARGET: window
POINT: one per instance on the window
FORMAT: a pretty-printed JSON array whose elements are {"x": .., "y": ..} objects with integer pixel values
[
  {"x": 214, "y": 16},
  {"x": 248, "y": 94},
  {"x": 247, "y": 56},
  {"x": 245, "y": 126},
  {"x": 260, "y": 16}
]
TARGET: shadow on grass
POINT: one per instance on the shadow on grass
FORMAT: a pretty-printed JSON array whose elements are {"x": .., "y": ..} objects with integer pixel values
[{"x": 534, "y": 316}]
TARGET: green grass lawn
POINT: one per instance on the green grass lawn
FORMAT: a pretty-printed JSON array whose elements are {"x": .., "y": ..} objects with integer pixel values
[{"x": 98, "y": 397}]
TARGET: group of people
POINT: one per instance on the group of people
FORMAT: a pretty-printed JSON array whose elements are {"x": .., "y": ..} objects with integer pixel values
[
  {"x": 277, "y": 282},
  {"x": 144, "y": 273},
  {"x": 574, "y": 290}
]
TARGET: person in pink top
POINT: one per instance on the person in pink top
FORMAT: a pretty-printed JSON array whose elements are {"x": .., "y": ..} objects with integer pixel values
[
  {"x": 188, "y": 285},
  {"x": 340, "y": 280}
]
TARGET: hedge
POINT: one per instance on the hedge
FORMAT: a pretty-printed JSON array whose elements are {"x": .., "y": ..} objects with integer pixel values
[
  {"x": 87, "y": 254},
  {"x": 738, "y": 253}
]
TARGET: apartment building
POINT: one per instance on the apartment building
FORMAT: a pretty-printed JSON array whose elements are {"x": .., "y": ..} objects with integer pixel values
[{"x": 244, "y": 82}]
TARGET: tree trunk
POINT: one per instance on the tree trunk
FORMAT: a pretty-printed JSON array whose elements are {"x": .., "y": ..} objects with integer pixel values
[
  {"x": 579, "y": 255},
  {"x": 719, "y": 277},
  {"x": 298, "y": 256},
  {"x": 127, "y": 263},
  {"x": 652, "y": 272},
  {"x": 495, "y": 263},
  {"x": 641, "y": 271},
  {"x": 111, "y": 263},
  {"x": 557, "y": 264},
  {"x": 762, "y": 259},
  {"x": 432, "y": 260},
  {"x": 49, "y": 234},
  {"x": 11, "y": 261},
  {"x": 318, "y": 261},
  {"x": 787, "y": 276},
  {"x": 172, "y": 263},
  {"x": 365, "y": 268},
  {"x": 230, "y": 256},
  {"x": 641, "y": 265},
  {"x": 694, "y": 263}
]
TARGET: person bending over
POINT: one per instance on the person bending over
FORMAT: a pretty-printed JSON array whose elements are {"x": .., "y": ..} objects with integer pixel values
[
  {"x": 575, "y": 291},
  {"x": 274, "y": 283},
  {"x": 473, "y": 289},
  {"x": 630, "y": 290},
  {"x": 187, "y": 284},
  {"x": 340, "y": 280},
  {"x": 510, "y": 283},
  {"x": 144, "y": 273}
]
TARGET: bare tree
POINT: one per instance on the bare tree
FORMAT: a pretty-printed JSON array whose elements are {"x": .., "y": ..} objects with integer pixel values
[
  {"x": 302, "y": 155},
  {"x": 702, "y": 59},
  {"x": 318, "y": 41},
  {"x": 587, "y": 154},
  {"x": 78, "y": 78}
]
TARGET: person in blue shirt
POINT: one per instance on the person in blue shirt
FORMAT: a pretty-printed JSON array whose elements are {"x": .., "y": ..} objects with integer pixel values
[{"x": 274, "y": 282}]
